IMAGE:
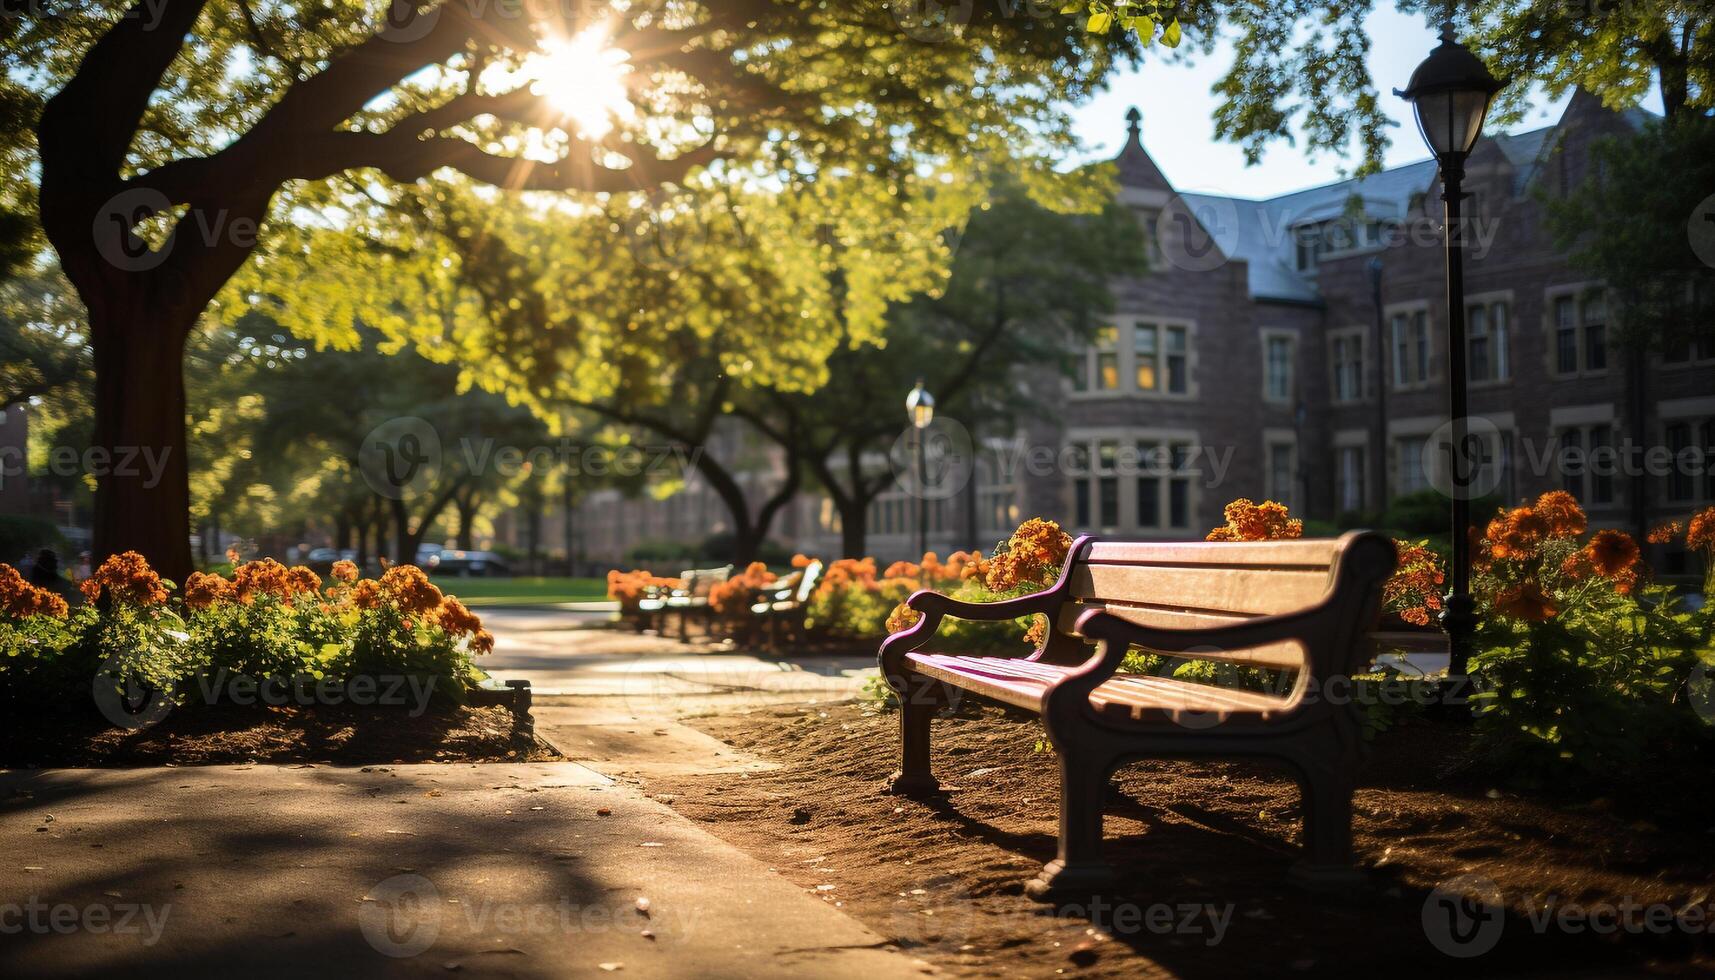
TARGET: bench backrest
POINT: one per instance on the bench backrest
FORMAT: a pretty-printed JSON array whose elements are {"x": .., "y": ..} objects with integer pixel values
[
  {"x": 807, "y": 584},
  {"x": 1199, "y": 584},
  {"x": 698, "y": 581}
]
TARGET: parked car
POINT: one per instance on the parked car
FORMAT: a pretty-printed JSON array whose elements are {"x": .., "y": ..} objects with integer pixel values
[
  {"x": 320, "y": 560},
  {"x": 429, "y": 555},
  {"x": 466, "y": 564}
]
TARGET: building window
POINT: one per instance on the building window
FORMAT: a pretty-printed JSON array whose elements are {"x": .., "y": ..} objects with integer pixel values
[
  {"x": 1486, "y": 351},
  {"x": 1410, "y": 348},
  {"x": 1153, "y": 355},
  {"x": 1178, "y": 350},
  {"x": 1148, "y": 362},
  {"x": 1349, "y": 478},
  {"x": 1277, "y": 367},
  {"x": 1408, "y": 464},
  {"x": 1580, "y": 333},
  {"x": 1163, "y": 485},
  {"x": 1282, "y": 475},
  {"x": 1346, "y": 351},
  {"x": 1588, "y": 463},
  {"x": 1692, "y": 444},
  {"x": 1105, "y": 363}
]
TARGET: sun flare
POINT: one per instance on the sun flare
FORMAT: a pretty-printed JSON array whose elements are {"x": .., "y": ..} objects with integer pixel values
[{"x": 583, "y": 78}]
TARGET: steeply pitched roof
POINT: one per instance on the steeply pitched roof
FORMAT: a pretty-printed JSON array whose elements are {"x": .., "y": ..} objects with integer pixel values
[{"x": 1260, "y": 229}]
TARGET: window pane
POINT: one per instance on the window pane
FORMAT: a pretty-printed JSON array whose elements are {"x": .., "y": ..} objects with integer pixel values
[
  {"x": 1179, "y": 502},
  {"x": 1148, "y": 501},
  {"x": 1595, "y": 346},
  {"x": 1601, "y": 467},
  {"x": 1146, "y": 372},
  {"x": 1107, "y": 337},
  {"x": 1176, "y": 373},
  {"x": 1571, "y": 453},
  {"x": 1499, "y": 333},
  {"x": 1420, "y": 332},
  {"x": 1110, "y": 488},
  {"x": 1081, "y": 501},
  {"x": 1107, "y": 371},
  {"x": 1176, "y": 340},
  {"x": 1566, "y": 351}
]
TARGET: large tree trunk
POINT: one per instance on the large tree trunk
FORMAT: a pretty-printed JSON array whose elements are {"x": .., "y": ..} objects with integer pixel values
[
  {"x": 854, "y": 520},
  {"x": 137, "y": 455},
  {"x": 568, "y": 502},
  {"x": 466, "y": 506}
]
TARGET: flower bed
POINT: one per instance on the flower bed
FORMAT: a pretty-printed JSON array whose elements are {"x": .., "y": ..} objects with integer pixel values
[{"x": 267, "y": 624}]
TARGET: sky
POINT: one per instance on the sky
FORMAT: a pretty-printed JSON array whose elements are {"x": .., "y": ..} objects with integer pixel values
[{"x": 1179, "y": 130}]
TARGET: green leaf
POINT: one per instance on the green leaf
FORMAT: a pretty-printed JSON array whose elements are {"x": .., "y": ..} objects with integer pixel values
[
  {"x": 1073, "y": 7},
  {"x": 1099, "y": 22},
  {"x": 1144, "y": 26},
  {"x": 1170, "y": 36}
]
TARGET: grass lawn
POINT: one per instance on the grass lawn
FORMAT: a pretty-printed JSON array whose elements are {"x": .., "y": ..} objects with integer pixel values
[{"x": 523, "y": 590}]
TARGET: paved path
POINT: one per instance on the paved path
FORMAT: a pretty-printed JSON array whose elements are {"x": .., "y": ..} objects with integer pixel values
[
  {"x": 419, "y": 870},
  {"x": 565, "y": 653}
]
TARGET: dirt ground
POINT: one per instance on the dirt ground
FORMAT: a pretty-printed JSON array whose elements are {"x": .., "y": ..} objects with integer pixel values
[
  {"x": 1205, "y": 848},
  {"x": 218, "y": 735}
]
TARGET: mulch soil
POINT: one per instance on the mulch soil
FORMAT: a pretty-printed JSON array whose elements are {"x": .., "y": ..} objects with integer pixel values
[
  {"x": 1204, "y": 848},
  {"x": 228, "y": 734}
]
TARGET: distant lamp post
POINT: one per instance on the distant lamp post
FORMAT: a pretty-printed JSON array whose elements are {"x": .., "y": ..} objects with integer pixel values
[
  {"x": 1451, "y": 92},
  {"x": 920, "y": 409}
]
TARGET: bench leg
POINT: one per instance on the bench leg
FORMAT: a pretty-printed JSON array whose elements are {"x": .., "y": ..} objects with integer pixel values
[
  {"x": 1079, "y": 868},
  {"x": 917, "y": 709},
  {"x": 1327, "y": 831}
]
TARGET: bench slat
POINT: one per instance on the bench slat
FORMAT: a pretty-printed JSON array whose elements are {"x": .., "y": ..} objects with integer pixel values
[
  {"x": 1210, "y": 588},
  {"x": 1300, "y": 553},
  {"x": 1134, "y": 697},
  {"x": 1288, "y": 655}
]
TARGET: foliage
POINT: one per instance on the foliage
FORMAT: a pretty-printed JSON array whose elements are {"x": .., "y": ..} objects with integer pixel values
[
  {"x": 1583, "y": 664},
  {"x": 1628, "y": 229},
  {"x": 266, "y": 622},
  {"x": 733, "y": 597},
  {"x": 1247, "y": 521},
  {"x": 631, "y": 588}
]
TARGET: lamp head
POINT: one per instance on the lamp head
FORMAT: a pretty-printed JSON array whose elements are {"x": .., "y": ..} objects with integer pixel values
[{"x": 1451, "y": 92}]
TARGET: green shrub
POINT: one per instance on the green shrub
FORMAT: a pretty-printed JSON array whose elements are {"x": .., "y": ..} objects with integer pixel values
[{"x": 21, "y": 536}]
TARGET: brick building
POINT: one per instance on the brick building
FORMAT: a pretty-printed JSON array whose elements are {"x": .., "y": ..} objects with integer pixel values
[{"x": 1294, "y": 348}]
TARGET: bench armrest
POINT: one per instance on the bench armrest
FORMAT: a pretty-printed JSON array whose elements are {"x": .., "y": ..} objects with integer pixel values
[
  {"x": 929, "y": 601},
  {"x": 1099, "y": 624}
]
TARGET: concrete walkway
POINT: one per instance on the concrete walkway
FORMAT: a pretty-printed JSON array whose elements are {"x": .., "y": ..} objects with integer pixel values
[{"x": 529, "y": 870}]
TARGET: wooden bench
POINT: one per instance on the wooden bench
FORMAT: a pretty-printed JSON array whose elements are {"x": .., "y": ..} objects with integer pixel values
[
  {"x": 691, "y": 598},
  {"x": 1304, "y": 606},
  {"x": 785, "y": 602}
]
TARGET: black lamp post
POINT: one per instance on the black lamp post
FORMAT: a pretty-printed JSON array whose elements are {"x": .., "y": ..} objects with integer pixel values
[
  {"x": 920, "y": 408},
  {"x": 1451, "y": 92}
]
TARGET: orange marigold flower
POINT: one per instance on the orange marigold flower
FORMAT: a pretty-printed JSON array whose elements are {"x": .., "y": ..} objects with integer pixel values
[
  {"x": 204, "y": 589},
  {"x": 21, "y": 600},
  {"x": 1526, "y": 601},
  {"x": 801, "y": 561},
  {"x": 366, "y": 594},
  {"x": 1665, "y": 533},
  {"x": 302, "y": 579},
  {"x": 126, "y": 578},
  {"x": 409, "y": 588},
  {"x": 1612, "y": 552},
  {"x": 1700, "y": 532},
  {"x": 902, "y": 617},
  {"x": 1560, "y": 510},
  {"x": 901, "y": 569},
  {"x": 1517, "y": 533},
  {"x": 344, "y": 571},
  {"x": 1247, "y": 521},
  {"x": 457, "y": 619}
]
